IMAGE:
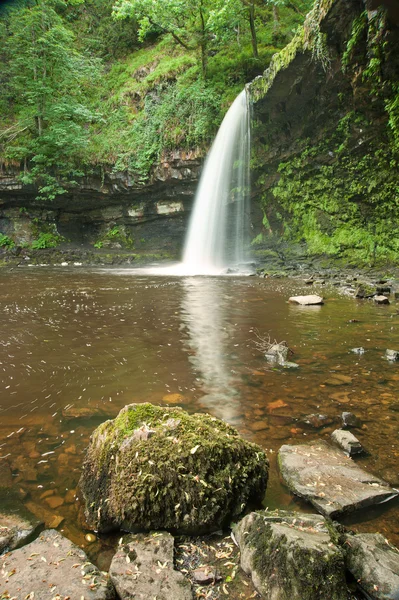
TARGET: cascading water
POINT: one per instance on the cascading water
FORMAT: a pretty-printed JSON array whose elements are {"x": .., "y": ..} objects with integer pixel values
[{"x": 219, "y": 227}]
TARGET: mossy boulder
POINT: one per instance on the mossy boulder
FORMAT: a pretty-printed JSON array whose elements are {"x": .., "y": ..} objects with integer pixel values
[
  {"x": 292, "y": 556},
  {"x": 157, "y": 468}
]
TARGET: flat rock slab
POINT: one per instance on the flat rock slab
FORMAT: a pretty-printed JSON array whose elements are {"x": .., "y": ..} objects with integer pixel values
[
  {"x": 374, "y": 564},
  {"x": 329, "y": 479},
  {"x": 291, "y": 556},
  {"x": 143, "y": 569},
  {"x": 311, "y": 300},
  {"x": 49, "y": 567}
]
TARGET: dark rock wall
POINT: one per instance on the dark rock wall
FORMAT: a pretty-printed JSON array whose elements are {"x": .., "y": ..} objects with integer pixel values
[
  {"x": 153, "y": 215},
  {"x": 326, "y": 134}
]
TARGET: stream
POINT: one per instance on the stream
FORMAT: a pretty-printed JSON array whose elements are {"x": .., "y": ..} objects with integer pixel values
[{"x": 101, "y": 339}]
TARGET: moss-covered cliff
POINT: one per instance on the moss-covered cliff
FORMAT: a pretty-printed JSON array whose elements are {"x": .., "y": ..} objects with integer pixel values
[{"x": 326, "y": 135}]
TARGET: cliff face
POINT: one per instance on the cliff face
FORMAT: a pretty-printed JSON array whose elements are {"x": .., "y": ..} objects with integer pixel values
[
  {"x": 326, "y": 134},
  {"x": 108, "y": 208}
]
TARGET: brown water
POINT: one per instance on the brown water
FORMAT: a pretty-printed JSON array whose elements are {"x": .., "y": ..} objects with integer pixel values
[{"x": 103, "y": 339}]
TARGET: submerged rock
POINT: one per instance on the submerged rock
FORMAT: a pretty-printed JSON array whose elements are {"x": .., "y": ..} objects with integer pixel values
[
  {"x": 350, "y": 420},
  {"x": 337, "y": 379},
  {"x": 72, "y": 412},
  {"x": 52, "y": 567},
  {"x": 347, "y": 441},
  {"x": 329, "y": 479},
  {"x": 317, "y": 421},
  {"x": 143, "y": 568},
  {"x": 291, "y": 556},
  {"x": 306, "y": 300},
  {"x": 190, "y": 474},
  {"x": 374, "y": 564}
]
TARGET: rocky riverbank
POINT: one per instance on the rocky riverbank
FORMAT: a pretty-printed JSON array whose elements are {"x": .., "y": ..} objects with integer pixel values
[{"x": 286, "y": 554}]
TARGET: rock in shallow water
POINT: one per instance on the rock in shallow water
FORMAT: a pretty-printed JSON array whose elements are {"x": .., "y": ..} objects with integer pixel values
[
  {"x": 193, "y": 474},
  {"x": 291, "y": 556},
  {"x": 306, "y": 300},
  {"x": 350, "y": 420},
  {"x": 52, "y": 567},
  {"x": 17, "y": 524},
  {"x": 143, "y": 569},
  {"x": 392, "y": 355},
  {"x": 347, "y": 441},
  {"x": 329, "y": 479},
  {"x": 374, "y": 564}
]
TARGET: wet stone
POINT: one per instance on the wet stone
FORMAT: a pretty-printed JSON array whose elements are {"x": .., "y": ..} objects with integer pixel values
[
  {"x": 381, "y": 300},
  {"x": 360, "y": 350},
  {"x": 143, "y": 568},
  {"x": 291, "y": 555},
  {"x": 337, "y": 379},
  {"x": 306, "y": 300},
  {"x": 54, "y": 501},
  {"x": 329, "y": 479},
  {"x": 392, "y": 355},
  {"x": 259, "y": 426},
  {"x": 347, "y": 441},
  {"x": 52, "y": 566},
  {"x": 374, "y": 564},
  {"x": 277, "y": 353},
  {"x": 350, "y": 420},
  {"x": 5, "y": 475},
  {"x": 316, "y": 421},
  {"x": 173, "y": 398},
  {"x": 73, "y": 412},
  {"x": 290, "y": 365},
  {"x": 50, "y": 519},
  {"x": 70, "y": 496},
  {"x": 17, "y": 524}
]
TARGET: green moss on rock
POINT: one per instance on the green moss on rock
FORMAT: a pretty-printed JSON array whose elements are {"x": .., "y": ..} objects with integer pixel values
[
  {"x": 161, "y": 468},
  {"x": 291, "y": 555}
]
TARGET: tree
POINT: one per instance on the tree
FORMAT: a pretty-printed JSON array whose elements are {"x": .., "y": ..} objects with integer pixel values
[
  {"x": 185, "y": 20},
  {"x": 46, "y": 84}
]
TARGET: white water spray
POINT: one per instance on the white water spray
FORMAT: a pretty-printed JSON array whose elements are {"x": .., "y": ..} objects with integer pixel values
[{"x": 218, "y": 231}]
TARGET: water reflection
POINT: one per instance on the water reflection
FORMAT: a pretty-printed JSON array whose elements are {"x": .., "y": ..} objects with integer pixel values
[{"x": 205, "y": 310}]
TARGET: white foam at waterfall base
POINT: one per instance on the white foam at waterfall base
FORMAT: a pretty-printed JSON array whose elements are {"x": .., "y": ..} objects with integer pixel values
[{"x": 218, "y": 236}]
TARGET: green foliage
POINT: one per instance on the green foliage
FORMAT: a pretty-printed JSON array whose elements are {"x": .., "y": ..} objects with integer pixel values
[
  {"x": 359, "y": 29},
  {"x": 115, "y": 235},
  {"x": 47, "y": 240},
  {"x": 80, "y": 89},
  {"x": 45, "y": 79},
  {"x": 392, "y": 107},
  {"x": 350, "y": 207},
  {"x": 5, "y": 241}
]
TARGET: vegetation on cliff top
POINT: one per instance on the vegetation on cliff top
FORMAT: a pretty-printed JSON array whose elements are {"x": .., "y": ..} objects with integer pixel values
[{"x": 119, "y": 83}]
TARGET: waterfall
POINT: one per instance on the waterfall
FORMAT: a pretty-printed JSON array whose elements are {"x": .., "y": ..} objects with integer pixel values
[
  {"x": 217, "y": 241},
  {"x": 219, "y": 226}
]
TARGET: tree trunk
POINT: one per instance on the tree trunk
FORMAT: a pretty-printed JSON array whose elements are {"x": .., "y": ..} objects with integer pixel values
[
  {"x": 276, "y": 18},
  {"x": 253, "y": 30},
  {"x": 203, "y": 44}
]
